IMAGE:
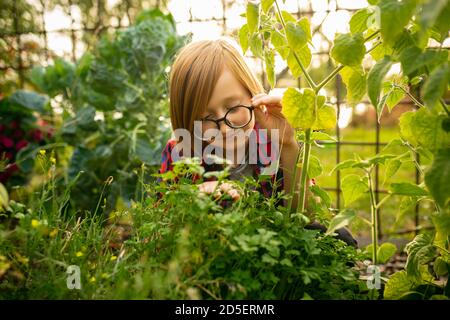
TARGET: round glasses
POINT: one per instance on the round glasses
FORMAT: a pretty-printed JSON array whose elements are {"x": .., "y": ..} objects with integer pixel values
[{"x": 236, "y": 117}]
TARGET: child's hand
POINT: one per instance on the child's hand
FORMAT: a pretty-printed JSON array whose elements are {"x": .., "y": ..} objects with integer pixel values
[
  {"x": 268, "y": 115},
  {"x": 210, "y": 187}
]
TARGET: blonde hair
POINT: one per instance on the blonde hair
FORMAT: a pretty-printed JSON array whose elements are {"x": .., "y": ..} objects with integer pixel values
[{"x": 194, "y": 75}]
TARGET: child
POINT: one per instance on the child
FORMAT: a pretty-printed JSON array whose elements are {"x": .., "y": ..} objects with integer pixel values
[{"x": 211, "y": 83}]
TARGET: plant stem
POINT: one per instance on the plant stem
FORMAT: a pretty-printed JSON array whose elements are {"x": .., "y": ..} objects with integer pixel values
[
  {"x": 409, "y": 95},
  {"x": 329, "y": 77},
  {"x": 307, "y": 76},
  {"x": 293, "y": 184},
  {"x": 304, "y": 174},
  {"x": 373, "y": 211},
  {"x": 444, "y": 105}
]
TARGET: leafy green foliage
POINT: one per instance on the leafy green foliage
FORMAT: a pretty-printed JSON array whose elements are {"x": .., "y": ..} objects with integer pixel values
[
  {"x": 123, "y": 80},
  {"x": 353, "y": 187},
  {"x": 349, "y": 49}
]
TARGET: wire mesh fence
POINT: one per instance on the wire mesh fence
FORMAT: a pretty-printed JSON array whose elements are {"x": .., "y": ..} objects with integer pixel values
[{"x": 38, "y": 31}]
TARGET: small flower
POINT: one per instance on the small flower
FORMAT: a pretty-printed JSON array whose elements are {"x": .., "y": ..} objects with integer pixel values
[
  {"x": 35, "y": 223},
  {"x": 79, "y": 254},
  {"x": 92, "y": 279},
  {"x": 53, "y": 160},
  {"x": 53, "y": 233},
  {"x": 113, "y": 258},
  {"x": 42, "y": 152},
  {"x": 105, "y": 275}
]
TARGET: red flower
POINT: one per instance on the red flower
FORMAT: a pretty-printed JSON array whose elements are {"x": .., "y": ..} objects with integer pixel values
[
  {"x": 7, "y": 142},
  {"x": 18, "y": 134},
  {"x": 36, "y": 134},
  {"x": 21, "y": 144}
]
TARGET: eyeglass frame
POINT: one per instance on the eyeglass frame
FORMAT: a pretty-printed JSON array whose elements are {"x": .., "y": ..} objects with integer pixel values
[{"x": 224, "y": 118}]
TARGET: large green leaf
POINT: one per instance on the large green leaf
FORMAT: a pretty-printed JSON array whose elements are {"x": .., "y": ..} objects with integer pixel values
[
  {"x": 413, "y": 58},
  {"x": 304, "y": 55},
  {"x": 355, "y": 81},
  {"x": 29, "y": 100},
  {"x": 437, "y": 178},
  {"x": 424, "y": 128},
  {"x": 407, "y": 189},
  {"x": 441, "y": 221},
  {"x": 297, "y": 34},
  {"x": 314, "y": 167},
  {"x": 436, "y": 85},
  {"x": 244, "y": 38},
  {"x": 394, "y": 16},
  {"x": 349, "y": 49},
  {"x": 256, "y": 45},
  {"x": 341, "y": 220},
  {"x": 253, "y": 18},
  {"x": 269, "y": 59},
  {"x": 385, "y": 252},
  {"x": 420, "y": 251},
  {"x": 299, "y": 107},
  {"x": 397, "y": 285},
  {"x": 326, "y": 118},
  {"x": 353, "y": 187},
  {"x": 375, "y": 79},
  {"x": 442, "y": 24},
  {"x": 358, "y": 22},
  {"x": 266, "y": 5}
]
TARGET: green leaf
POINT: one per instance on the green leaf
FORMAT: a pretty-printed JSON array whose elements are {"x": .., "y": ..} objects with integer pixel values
[
  {"x": 299, "y": 107},
  {"x": 344, "y": 165},
  {"x": 322, "y": 194},
  {"x": 326, "y": 117},
  {"x": 256, "y": 45},
  {"x": 253, "y": 18},
  {"x": 441, "y": 221},
  {"x": 437, "y": 178},
  {"x": 413, "y": 58},
  {"x": 407, "y": 189},
  {"x": 394, "y": 96},
  {"x": 314, "y": 167},
  {"x": 358, "y": 22},
  {"x": 280, "y": 43},
  {"x": 304, "y": 55},
  {"x": 296, "y": 35},
  {"x": 442, "y": 24},
  {"x": 318, "y": 135},
  {"x": 392, "y": 166},
  {"x": 436, "y": 85},
  {"x": 4, "y": 198},
  {"x": 29, "y": 100},
  {"x": 244, "y": 38},
  {"x": 355, "y": 81},
  {"x": 270, "y": 67},
  {"x": 375, "y": 78},
  {"x": 341, "y": 220},
  {"x": 430, "y": 11},
  {"x": 394, "y": 16},
  {"x": 349, "y": 49},
  {"x": 386, "y": 251},
  {"x": 266, "y": 5},
  {"x": 424, "y": 128},
  {"x": 397, "y": 285},
  {"x": 353, "y": 187},
  {"x": 420, "y": 251}
]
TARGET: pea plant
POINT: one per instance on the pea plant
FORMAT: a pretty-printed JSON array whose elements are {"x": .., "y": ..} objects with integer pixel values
[{"x": 409, "y": 34}]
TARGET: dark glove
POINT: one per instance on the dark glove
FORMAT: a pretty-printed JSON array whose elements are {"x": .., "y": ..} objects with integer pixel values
[{"x": 342, "y": 233}]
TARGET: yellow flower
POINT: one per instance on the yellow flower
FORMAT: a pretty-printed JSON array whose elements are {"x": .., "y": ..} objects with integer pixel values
[
  {"x": 79, "y": 254},
  {"x": 92, "y": 279},
  {"x": 53, "y": 233},
  {"x": 42, "y": 152},
  {"x": 35, "y": 223},
  {"x": 113, "y": 258},
  {"x": 53, "y": 160},
  {"x": 105, "y": 275}
]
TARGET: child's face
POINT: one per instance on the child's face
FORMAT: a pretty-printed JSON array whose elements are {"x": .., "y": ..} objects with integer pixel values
[{"x": 227, "y": 93}]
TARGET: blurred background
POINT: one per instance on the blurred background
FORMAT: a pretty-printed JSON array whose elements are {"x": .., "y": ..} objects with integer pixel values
[{"x": 43, "y": 39}]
